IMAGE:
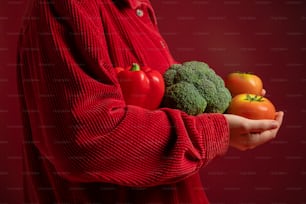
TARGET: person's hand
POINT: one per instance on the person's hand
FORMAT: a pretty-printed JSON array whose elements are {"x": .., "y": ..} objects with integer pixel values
[
  {"x": 247, "y": 134},
  {"x": 263, "y": 92}
]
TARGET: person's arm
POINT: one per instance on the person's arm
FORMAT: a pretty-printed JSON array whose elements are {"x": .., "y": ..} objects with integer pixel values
[{"x": 79, "y": 120}]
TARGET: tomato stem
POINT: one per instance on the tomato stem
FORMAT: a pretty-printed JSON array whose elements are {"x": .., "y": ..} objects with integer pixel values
[{"x": 252, "y": 98}]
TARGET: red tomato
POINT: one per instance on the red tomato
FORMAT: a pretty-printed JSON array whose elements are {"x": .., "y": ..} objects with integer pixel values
[
  {"x": 252, "y": 106},
  {"x": 238, "y": 83}
]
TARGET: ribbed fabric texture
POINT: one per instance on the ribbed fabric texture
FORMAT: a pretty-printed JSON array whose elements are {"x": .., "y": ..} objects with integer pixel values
[{"x": 82, "y": 143}]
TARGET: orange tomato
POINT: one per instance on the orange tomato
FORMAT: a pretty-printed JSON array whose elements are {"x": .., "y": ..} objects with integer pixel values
[
  {"x": 252, "y": 106},
  {"x": 238, "y": 83}
]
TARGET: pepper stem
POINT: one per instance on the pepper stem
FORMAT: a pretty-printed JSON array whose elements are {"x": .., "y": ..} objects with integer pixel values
[{"x": 135, "y": 67}]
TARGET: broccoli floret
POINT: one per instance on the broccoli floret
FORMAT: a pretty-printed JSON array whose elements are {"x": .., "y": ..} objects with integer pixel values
[
  {"x": 169, "y": 77},
  {"x": 189, "y": 84},
  {"x": 192, "y": 72},
  {"x": 221, "y": 103},
  {"x": 184, "y": 96}
]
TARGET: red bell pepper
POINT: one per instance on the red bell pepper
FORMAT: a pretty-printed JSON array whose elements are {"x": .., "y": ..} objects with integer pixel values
[{"x": 141, "y": 86}]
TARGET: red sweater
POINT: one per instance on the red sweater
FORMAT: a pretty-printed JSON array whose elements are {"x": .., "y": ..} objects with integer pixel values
[{"x": 82, "y": 143}]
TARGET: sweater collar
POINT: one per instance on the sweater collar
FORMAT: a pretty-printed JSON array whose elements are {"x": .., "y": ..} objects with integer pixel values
[{"x": 136, "y": 3}]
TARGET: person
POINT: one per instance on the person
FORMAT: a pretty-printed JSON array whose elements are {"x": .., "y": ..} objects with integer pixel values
[{"x": 82, "y": 142}]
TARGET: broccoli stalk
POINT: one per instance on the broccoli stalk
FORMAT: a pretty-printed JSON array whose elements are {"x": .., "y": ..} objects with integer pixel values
[{"x": 195, "y": 88}]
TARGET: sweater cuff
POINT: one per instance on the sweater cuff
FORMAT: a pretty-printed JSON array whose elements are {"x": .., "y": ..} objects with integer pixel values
[{"x": 215, "y": 131}]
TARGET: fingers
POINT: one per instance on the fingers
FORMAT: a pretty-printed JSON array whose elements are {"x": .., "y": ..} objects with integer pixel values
[
  {"x": 261, "y": 125},
  {"x": 254, "y": 139},
  {"x": 251, "y": 140},
  {"x": 248, "y": 134},
  {"x": 279, "y": 117},
  {"x": 263, "y": 92},
  {"x": 254, "y": 132}
]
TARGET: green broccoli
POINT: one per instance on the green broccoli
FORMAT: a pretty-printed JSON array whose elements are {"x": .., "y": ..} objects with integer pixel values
[{"x": 195, "y": 88}]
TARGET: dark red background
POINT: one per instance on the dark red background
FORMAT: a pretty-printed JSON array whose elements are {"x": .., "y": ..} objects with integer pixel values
[{"x": 264, "y": 37}]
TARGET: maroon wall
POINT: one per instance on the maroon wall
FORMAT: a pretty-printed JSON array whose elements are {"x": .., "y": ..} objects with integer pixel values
[
  {"x": 264, "y": 37},
  {"x": 269, "y": 39},
  {"x": 10, "y": 124}
]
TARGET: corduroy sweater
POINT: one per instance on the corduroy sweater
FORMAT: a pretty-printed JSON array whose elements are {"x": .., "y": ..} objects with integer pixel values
[{"x": 82, "y": 143}]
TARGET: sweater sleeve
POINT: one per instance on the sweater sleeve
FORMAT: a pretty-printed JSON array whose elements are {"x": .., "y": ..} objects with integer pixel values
[{"x": 79, "y": 120}]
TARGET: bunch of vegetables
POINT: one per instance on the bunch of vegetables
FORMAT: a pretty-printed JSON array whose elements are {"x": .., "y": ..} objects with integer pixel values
[{"x": 195, "y": 88}]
